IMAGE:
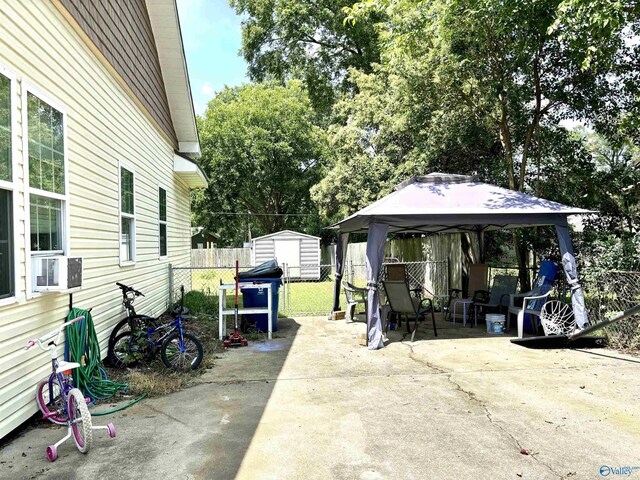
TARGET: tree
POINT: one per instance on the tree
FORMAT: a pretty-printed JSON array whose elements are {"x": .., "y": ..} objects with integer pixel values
[
  {"x": 618, "y": 175},
  {"x": 392, "y": 130},
  {"x": 507, "y": 64},
  {"x": 307, "y": 40},
  {"x": 585, "y": 23},
  {"x": 262, "y": 152}
]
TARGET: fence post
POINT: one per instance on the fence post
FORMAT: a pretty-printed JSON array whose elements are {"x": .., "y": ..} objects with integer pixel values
[
  {"x": 170, "y": 284},
  {"x": 287, "y": 293}
]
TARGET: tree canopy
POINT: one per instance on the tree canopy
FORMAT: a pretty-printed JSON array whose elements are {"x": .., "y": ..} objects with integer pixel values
[
  {"x": 388, "y": 89},
  {"x": 308, "y": 40},
  {"x": 263, "y": 153}
]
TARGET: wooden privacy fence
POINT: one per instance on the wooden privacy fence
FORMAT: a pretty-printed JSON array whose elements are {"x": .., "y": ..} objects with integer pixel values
[{"x": 220, "y": 257}]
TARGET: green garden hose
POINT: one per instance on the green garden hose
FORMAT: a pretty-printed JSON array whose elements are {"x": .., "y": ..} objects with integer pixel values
[{"x": 82, "y": 347}]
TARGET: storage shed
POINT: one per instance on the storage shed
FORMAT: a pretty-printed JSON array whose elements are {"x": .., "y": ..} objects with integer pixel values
[{"x": 299, "y": 251}]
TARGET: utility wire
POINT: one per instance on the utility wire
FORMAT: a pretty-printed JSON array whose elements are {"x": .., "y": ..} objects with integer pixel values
[{"x": 265, "y": 214}]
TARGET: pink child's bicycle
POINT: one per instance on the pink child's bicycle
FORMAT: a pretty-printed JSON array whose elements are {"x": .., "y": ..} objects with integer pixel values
[{"x": 60, "y": 402}]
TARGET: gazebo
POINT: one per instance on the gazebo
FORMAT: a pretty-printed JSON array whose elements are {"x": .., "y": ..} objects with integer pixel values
[{"x": 444, "y": 203}]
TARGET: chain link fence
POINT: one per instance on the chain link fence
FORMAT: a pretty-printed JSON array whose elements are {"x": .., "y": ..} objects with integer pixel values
[
  {"x": 607, "y": 293},
  {"x": 201, "y": 279},
  {"x": 305, "y": 290},
  {"x": 433, "y": 276},
  {"x": 308, "y": 290}
]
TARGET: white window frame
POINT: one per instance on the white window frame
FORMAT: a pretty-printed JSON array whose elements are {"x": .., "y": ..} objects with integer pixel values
[
  {"x": 29, "y": 87},
  {"x": 125, "y": 263},
  {"x": 163, "y": 222},
  {"x": 12, "y": 185}
]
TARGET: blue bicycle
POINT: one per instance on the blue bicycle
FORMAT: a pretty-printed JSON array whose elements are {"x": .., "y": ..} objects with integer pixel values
[{"x": 179, "y": 350}]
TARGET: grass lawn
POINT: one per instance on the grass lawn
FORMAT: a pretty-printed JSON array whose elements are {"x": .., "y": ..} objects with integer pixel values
[
  {"x": 310, "y": 297},
  {"x": 302, "y": 297}
]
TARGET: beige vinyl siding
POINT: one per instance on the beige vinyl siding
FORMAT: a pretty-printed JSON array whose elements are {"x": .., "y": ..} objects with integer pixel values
[
  {"x": 103, "y": 126},
  {"x": 309, "y": 252}
]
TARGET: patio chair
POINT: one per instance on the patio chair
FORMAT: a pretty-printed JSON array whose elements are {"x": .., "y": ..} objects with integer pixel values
[
  {"x": 398, "y": 271},
  {"x": 532, "y": 303},
  {"x": 499, "y": 295},
  {"x": 478, "y": 274},
  {"x": 403, "y": 304},
  {"x": 354, "y": 296}
]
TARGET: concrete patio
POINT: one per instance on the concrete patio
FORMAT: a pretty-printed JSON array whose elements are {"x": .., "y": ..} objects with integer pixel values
[{"x": 314, "y": 404}]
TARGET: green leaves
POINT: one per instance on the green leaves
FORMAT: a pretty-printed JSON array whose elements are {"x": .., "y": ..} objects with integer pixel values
[
  {"x": 310, "y": 41},
  {"x": 263, "y": 152}
]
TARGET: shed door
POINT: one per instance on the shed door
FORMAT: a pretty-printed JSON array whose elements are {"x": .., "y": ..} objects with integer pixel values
[{"x": 288, "y": 251}]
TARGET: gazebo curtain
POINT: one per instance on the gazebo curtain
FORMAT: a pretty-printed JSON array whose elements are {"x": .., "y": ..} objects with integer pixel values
[
  {"x": 341, "y": 255},
  {"x": 571, "y": 271},
  {"x": 376, "y": 240}
]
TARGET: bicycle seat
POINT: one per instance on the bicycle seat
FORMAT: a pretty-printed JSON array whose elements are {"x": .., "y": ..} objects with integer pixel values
[{"x": 62, "y": 366}]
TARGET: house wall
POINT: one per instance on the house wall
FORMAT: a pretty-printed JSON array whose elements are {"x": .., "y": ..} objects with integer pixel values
[
  {"x": 309, "y": 248},
  {"x": 104, "y": 126}
]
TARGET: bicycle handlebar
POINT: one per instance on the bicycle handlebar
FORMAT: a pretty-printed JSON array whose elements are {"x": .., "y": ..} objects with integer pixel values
[
  {"x": 125, "y": 289},
  {"x": 54, "y": 333}
]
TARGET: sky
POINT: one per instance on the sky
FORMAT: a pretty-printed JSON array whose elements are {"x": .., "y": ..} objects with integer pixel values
[{"x": 212, "y": 37}]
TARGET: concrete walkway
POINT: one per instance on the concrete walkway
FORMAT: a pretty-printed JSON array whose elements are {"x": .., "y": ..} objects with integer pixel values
[{"x": 316, "y": 405}]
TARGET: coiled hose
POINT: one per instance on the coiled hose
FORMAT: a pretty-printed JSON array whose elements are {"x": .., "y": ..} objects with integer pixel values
[{"x": 82, "y": 347}]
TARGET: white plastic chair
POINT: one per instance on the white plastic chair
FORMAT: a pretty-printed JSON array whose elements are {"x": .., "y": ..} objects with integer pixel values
[{"x": 532, "y": 303}]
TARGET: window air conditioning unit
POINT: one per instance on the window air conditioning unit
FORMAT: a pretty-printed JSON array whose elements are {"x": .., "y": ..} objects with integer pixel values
[{"x": 56, "y": 274}]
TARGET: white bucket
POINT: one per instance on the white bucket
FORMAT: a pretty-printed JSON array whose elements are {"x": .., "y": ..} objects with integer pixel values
[{"x": 495, "y": 323}]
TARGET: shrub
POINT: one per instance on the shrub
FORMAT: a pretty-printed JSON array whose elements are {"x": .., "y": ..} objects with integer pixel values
[{"x": 199, "y": 303}]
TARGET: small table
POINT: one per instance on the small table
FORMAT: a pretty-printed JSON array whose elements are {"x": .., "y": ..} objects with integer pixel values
[
  {"x": 464, "y": 302},
  {"x": 222, "y": 300}
]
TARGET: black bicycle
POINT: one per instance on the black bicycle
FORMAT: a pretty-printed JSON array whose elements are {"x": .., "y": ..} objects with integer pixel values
[{"x": 137, "y": 337}]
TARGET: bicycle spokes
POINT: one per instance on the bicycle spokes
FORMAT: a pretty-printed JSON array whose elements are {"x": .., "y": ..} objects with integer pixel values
[{"x": 182, "y": 355}]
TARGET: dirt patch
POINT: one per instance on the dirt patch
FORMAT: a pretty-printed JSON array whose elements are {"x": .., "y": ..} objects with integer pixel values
[{"x": 152, "y": 378}]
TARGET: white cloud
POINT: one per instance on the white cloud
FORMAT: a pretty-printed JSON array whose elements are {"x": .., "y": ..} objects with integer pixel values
[{"x": 206, "y": 89}]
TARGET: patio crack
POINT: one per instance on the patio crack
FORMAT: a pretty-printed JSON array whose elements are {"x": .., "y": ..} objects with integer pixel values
[
  {"x": 474, "y": 399},
  {"x": 151, "y": 407},
  {"x": 412, "y": 356}
]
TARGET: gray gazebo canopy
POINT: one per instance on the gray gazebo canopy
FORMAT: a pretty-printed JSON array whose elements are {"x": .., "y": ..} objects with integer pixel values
[{"x": 442, "y": 203}]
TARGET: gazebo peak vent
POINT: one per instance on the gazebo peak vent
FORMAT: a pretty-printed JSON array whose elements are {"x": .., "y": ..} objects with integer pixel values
[{"x": 438, "y": 178}]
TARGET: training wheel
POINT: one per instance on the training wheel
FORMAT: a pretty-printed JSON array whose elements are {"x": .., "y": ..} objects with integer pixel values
[
  {"x": 112, "y": 430},
  {"x": 52, "y": 453}
]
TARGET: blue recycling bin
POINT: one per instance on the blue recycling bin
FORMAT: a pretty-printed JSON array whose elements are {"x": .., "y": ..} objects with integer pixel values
[{"x": 255, "y": 297}]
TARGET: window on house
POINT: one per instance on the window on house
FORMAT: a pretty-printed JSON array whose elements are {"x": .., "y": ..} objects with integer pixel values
[
  {"x": 6, "y": 193},
  {"x": 162, "y": 202},
  {"x": 5, "y": 129},
  {"x": 127, "y": 217},
  {"x": 6, "y": 247},
  {"x": 46, "y": 176}
]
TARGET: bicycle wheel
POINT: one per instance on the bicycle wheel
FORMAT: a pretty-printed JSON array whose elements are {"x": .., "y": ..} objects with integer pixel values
[
  {"x": 80, "y": 420},
  {"x": 127, "y": 350},
  {"x": 185, "y": 357},
  {"x": 50, "y": 405},
  {"x": 138, "y": 321}
]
